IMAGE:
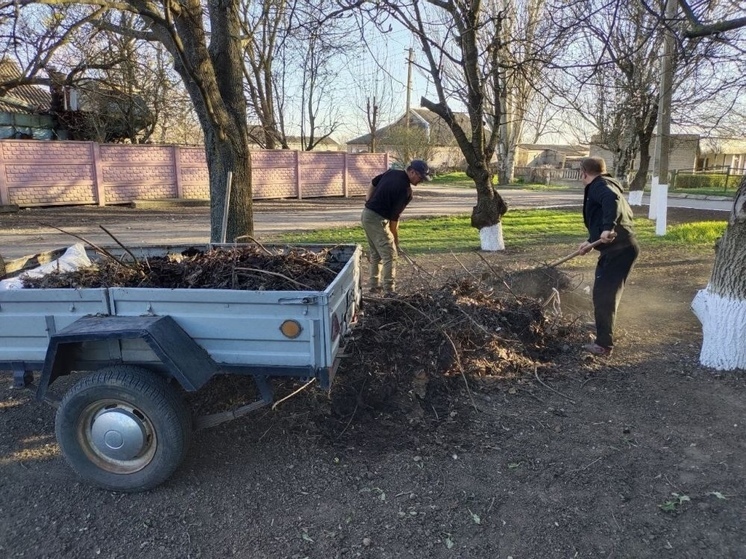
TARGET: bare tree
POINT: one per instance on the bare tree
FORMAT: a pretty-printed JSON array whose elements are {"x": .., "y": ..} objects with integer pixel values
[
  {"x": 407, "y": 143},
  {"x": 617, "y": 74},
  {"x": 264, "y": 29},
  {"x": 372, "y": 114},
  {"x": 210, "y": 66},
  {"x": 531, "y": 40},
  {"x": 460, "y": 42},
  {"x": 320, "y": 115},
  {"x": 543, "y": 118},
  {"x": 373, "y": 92}
]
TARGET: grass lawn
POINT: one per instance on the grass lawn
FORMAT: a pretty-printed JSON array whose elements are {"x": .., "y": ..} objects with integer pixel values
[
  {"x": 520, "y": 228},
  {"x": 459, "y": 179}
]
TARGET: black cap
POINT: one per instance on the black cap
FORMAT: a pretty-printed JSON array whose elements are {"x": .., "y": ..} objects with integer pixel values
[{"x": 422, "y": 169}]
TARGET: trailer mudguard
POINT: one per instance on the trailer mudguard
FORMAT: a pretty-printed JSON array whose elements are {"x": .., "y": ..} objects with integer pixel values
[{"x": 182, "y": 357}]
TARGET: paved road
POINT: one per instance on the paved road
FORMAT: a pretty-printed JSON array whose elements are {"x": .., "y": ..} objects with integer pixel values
[
  {"x": 431, "y": 201},
  {"x": 23, "y": 233}
]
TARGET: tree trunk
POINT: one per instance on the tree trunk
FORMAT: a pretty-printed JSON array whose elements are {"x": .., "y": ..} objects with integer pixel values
[
  {"x": 223, "y": 156},
  {"x": 487, "y": 214},
  {"x": 505, "y": 166},
  {"x": 641, "y": 176},
  {"x": 721, "y": 306},
  {"x": 624, "y": 158},
  {"x": 644, "y": 137}
]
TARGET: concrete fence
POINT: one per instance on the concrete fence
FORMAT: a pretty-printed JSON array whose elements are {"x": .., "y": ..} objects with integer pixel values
[
  {"x": 40, "y": 173},
  {"x": 545, "y": 175}
]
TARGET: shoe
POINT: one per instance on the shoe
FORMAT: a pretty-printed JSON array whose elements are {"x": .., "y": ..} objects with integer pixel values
[
  {"x": 390, "y": 294},
  {"x": 596, "y": 349},
  {"x": 375, "y": 290}
]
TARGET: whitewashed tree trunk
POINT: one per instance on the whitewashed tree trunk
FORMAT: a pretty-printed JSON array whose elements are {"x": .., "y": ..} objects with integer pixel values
[
  {"x": 721, "y": 306},
  {"x": 491, "y": 237},
  {"x": 635, "y": 197}
]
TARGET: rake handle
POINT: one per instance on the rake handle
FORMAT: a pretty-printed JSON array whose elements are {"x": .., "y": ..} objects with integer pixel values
[{"x": 594, "y": 244}]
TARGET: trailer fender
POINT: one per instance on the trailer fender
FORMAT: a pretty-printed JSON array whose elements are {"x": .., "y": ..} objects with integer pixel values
[{"x": 182, "y": 357}]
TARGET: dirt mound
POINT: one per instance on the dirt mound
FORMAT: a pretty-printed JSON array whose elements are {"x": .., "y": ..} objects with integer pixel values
[{"x": 410, "y": 358}]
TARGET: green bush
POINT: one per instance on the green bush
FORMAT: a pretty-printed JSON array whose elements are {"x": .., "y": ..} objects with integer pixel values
[{"x": 709, "y": 180}]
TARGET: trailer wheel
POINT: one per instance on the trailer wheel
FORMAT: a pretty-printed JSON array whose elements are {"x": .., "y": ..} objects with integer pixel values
[{"x": 123, "y": 428}]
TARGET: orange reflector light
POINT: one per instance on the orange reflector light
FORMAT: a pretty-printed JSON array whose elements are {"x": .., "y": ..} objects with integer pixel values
[{"x": 291, "y": 328}]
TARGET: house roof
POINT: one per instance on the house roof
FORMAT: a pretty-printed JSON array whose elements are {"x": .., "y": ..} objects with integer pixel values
[
  {"x": 565, "y": 149},
  {"x": 440, "y": 133},
  {"x": 24, "y": 99},
  {"x": 595, "y": 139}
]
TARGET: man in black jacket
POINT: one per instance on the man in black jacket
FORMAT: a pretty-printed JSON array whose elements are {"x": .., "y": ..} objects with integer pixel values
[
  {"x": 608, "y": 218},
  {"x": 388, "y": 195}
]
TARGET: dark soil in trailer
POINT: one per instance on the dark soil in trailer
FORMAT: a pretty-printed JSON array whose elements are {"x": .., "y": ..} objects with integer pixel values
[{"x": 459, "y": 426}]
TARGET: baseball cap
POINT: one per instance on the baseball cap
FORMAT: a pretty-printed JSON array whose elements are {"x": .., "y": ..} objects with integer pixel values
[{"x": 422, "y": 169}]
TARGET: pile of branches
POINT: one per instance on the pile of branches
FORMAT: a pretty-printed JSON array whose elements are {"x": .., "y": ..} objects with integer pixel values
[
  {"x": 245, "y": 268},
  {"x": 410, "y": 352}
]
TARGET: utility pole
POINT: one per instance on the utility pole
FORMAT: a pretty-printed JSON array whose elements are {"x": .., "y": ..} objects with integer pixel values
[
  {"x": 659, "y": 191},
  {"x": 410, "y": 60}
]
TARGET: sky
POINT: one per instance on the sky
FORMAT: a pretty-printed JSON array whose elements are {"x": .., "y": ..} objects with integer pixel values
[{"x": 380, "y": 71}]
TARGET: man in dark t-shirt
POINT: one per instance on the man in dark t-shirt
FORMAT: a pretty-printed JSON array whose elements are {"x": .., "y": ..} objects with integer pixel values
[{"x": 388, "y": 195}]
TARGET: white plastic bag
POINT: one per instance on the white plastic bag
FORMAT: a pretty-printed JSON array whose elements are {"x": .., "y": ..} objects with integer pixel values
[{"x": 74, "y": 258}]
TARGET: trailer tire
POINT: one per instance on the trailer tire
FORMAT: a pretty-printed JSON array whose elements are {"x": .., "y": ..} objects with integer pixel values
[{"x": 123, "y": 428}]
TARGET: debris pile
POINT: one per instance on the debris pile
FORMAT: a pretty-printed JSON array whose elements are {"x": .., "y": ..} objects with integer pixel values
[
  {"x": 417, "y": 352},
  {"x": 246, "y": 268}
]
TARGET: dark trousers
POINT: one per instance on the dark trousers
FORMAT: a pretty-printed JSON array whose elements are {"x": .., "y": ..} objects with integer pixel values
[{"x": 612, "y": 270}]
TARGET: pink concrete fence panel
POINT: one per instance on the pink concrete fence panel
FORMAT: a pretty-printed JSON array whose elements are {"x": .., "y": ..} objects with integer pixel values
[{"x": 34, "y": 173}]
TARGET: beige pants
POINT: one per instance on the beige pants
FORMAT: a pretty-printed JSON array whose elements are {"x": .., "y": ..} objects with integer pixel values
[{"x": 382, "y": 253}]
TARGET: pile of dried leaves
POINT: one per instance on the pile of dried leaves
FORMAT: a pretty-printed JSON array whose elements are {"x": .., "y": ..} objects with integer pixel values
[{"x": 246, "y": 267}]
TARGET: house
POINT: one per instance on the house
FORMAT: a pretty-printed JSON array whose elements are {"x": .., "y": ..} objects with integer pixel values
[
  {"x": 24, "y": 110},
  {"x": 722, "y": 154},
  {"x": 438, "y": 145},
  {"x": 682, "y": 154},
  {"x": 88, "y": 111},
  {"x": 558, "y": 156}
]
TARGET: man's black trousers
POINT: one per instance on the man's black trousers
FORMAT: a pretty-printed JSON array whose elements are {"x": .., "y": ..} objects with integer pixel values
[{"x": 612, "y": 270}]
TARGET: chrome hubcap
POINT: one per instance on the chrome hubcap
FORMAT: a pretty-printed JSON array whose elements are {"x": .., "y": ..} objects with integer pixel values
[{"x": 118, "y": 433}]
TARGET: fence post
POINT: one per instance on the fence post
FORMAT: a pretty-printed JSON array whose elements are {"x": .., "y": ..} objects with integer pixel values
[
  {"x": 674, "y": 174},
  {"x": 298, "y": 185},
  {"x": 176, "y": 154},
  {"x": 98, "y": 174},
  {"x": 345, "y": 187},
  {"x": 727, "y": 176},
  {"x": 4, "y": 194}
]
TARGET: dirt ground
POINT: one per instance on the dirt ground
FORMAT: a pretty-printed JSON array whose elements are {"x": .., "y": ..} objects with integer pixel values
[{"x": 638, "y": 455}]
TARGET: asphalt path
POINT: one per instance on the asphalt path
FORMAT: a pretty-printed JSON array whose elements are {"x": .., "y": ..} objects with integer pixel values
[
  {"x": 436, "y": 201},
  {"x": 427, "y": 202}
]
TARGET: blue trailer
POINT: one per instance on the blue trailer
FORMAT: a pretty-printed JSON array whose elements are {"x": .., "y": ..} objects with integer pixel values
[{"x": 125, "y": 425}]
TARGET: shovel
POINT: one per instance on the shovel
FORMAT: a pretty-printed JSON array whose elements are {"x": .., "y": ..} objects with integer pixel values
[{"x": 594, "y": 244}]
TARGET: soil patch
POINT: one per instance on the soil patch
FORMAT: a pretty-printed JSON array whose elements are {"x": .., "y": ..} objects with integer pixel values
[{"x": 541, "y": 452}]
